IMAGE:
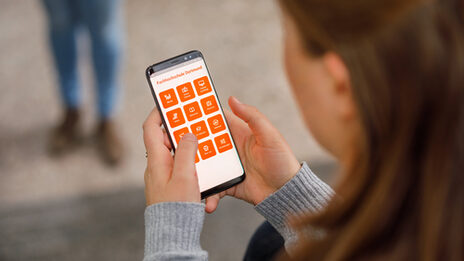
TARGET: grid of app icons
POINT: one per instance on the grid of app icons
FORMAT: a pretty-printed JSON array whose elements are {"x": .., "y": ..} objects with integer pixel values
[{"x": 202, "y": 114}]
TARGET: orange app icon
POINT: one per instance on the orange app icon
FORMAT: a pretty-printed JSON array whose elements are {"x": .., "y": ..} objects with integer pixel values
[
  {"x": 185, "y": 92},
  {"x": 206, "y": 149},
  {"x": 202, "y": 85},
  {"x": 196, "y": 158},
  {"x": 192, "y": 110},
  {"x": 175, "y": 117},
  {"x": 179, "y": 133},
  {"x": 168, "y": 98},
  {"x": 209, "y": 104},
  {"x": 200, "y": 130},
  {"x": 223, "y": 142},
  {"x": 216, "y": 123}
]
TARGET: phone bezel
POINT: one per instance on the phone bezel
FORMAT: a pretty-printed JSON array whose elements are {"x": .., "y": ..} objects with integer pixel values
[{"x": 173, "y": 62}]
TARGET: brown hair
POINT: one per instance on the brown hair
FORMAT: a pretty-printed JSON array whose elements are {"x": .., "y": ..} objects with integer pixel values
[{"x": 404, "y": 196}]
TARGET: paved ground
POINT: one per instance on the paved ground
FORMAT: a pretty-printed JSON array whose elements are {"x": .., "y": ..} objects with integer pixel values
[{"x": 52, "y": 209}]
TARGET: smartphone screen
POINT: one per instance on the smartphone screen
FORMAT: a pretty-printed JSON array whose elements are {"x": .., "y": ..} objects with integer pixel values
[{"x": 188, "y": 102}]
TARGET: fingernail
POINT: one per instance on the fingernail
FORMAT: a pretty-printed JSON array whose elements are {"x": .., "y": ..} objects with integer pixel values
[
  {"x": 189, "y": 136},
  {"x": 236, "y": 100}
]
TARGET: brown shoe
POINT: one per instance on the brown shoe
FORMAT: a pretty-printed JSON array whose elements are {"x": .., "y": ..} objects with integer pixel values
[
  {"x": 66, "y": 135},
  {"x": 110, "y": 144}
]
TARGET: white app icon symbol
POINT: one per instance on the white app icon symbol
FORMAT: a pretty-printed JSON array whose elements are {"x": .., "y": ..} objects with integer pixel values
[
  {"x": 205, "y": 148},
  {"x": 191, "y": 109},
  {"x": 223, "y": 141},
  {"x": 174, "y": 116},
  {"x": 167, "y": 96},
  {"x": 201, "y": 83},
  {"x": 184, "y": 90},
  {"x": 215, "y": 122},
  {"x": 198, "y": 128},
  {"x": 209, "y": 103}
]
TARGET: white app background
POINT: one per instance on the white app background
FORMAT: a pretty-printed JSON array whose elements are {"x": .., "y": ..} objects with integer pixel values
[{"x": 223, "y": 166}]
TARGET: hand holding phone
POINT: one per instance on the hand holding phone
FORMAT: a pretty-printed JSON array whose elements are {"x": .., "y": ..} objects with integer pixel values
[
  {"x": 168, "y": 179},
  {"x": 186, "y": 99},
  {"x": 187, "y": 102},
  {"x": 267, "y": 158}
]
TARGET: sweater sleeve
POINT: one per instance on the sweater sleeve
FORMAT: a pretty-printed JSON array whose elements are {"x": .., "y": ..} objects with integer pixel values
[
  {"x": 303, "y": 194},
  {"x": 172, "y": 231}
]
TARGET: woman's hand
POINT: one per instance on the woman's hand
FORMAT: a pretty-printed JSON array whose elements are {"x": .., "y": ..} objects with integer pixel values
[
  {"x": 268, "y": 161},
  {"x": 169, "y": 179}
]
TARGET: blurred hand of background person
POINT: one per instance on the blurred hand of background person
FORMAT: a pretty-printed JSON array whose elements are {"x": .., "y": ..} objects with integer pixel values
[{"x": 268, "y": 160}]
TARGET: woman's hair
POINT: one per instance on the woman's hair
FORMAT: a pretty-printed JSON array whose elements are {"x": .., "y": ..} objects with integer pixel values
[{"x": 403, "y": 198}]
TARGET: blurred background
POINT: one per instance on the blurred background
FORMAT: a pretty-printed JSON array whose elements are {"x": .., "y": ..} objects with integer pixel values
[{"x": 76, "y": 207}]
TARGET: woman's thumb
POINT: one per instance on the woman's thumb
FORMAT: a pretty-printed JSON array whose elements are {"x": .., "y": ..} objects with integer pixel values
[{"x": 184, "y": 159}]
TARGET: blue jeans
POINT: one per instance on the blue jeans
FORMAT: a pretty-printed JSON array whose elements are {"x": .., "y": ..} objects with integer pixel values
[{"x": 103, "y": 20}]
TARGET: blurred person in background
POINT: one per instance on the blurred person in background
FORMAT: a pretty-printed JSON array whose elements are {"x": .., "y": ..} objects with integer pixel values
[
  {"x": 103, "y": 21},
  {"x": 381, "y": 86}
]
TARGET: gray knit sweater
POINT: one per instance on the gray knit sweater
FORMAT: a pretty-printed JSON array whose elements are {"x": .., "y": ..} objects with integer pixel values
[{"x": 172, "y": 229}]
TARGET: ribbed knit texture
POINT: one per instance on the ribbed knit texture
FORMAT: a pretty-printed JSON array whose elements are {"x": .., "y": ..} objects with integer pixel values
[
  {"x": 303, "y": 194},
  {"x": 172, "y": 231}
]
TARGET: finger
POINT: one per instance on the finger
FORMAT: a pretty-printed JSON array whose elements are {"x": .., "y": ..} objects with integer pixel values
[
  {"x": 153, "y": 137},
  {"x": 167, "y": 142},
  {"x": 263, "y": 130},
  {"x": 238, "y": 127},
  {"x": 159, "y": 159},
  {"x": 212, "y": 203},
  {"x": 184, "y": 159}
]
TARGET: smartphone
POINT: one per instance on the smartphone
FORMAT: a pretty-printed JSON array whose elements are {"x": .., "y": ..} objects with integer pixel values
[{"x": 187, "y": 100}]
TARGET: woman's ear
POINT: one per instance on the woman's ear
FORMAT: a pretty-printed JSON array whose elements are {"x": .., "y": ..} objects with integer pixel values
[{"x": 341, "y": 85}]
